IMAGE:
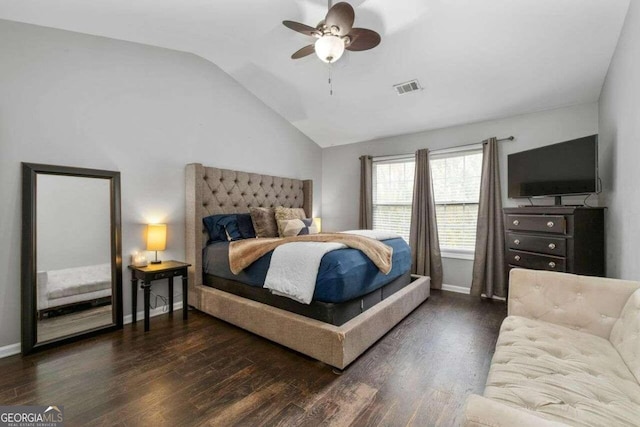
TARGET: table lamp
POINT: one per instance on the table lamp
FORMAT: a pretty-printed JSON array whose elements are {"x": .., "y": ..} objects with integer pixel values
[{"x": 156, "y": 239}]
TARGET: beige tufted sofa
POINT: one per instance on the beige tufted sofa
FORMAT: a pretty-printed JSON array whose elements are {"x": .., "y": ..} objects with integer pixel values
[{"x": 568, "y": 354}]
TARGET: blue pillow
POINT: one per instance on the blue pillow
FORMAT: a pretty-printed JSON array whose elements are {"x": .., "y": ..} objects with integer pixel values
[
  {"x": 246, "y": 226},
  {"x": 211, "y": 224},
  {"x": 218, "y": 226},
  {"x": 230, "y": 229}
]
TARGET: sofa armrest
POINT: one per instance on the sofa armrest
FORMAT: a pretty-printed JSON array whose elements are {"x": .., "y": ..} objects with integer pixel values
[
  {"x": 42, "y": 280},
  {"x": 584, "y": 303},
  {"x": 481, "y": 412}
]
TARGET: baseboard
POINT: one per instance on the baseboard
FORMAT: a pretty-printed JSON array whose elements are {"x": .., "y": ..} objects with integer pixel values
[
  {"x": 13, "y": 349},
  {"x": 467, "y": 291},
  {"x": 152, "y": 313},
  {"x": 456, "y": 289},
  {"x": 9, "y": 350}
]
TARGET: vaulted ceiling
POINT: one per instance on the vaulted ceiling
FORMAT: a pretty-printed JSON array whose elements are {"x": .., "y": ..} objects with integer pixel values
[{"x": 476, "y": 59}]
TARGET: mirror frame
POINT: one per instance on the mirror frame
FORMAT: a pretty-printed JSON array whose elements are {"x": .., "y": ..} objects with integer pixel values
[{"x": 30, "y": 171}]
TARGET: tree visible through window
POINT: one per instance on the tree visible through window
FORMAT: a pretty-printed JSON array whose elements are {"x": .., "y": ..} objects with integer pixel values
[{"x": 456, "y": 185}]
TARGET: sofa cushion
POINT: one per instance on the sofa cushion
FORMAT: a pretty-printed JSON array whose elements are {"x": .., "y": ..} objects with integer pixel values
[
  {"x": 585, "y": 303},
  {"x": 625, "y": 334},
  {"x": 562, "y": 375},
  {"x": 78, "y": 280}
]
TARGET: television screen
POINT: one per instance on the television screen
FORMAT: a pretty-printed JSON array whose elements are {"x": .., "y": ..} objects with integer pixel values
[{"x": 566, "y": 168}]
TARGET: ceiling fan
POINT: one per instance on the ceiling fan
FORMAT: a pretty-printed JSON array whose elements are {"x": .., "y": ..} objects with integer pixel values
[{"x": 334, "y": 34}]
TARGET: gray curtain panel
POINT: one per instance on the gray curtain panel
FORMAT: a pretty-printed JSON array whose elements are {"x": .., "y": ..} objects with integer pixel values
[
  {"x": 423, "y": 237},
  {"x": 366, "y": 193},
  {"x": 489, "y": 274}
]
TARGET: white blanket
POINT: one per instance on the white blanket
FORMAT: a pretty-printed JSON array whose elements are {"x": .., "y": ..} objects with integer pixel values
[
  {"x": 375, "y": 234},
  {"x": 293, "y": 271}
]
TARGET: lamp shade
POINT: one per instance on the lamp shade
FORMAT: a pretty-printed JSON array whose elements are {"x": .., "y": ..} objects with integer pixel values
[
  {"x": 329, "y": 48},
  {"x": 156, "y": 237}
]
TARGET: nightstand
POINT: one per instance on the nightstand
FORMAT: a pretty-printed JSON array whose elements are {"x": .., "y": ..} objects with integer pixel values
[{"x": 165, "y": 270}]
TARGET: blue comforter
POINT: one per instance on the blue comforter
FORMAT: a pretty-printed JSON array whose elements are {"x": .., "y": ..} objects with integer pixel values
[{"x": 343, "y": 275}]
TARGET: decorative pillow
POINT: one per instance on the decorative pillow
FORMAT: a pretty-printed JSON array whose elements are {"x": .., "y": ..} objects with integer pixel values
[
  {"x": 222, "y": 227},
  {"x": 297, "y": 227},
  {"x": 231, "y": 229},
  {"x": 288, "y": 213},
  {"x": 214, "y": 228},
  {"x": 264, "y": 222},
  {"x": 246, "y": 226}
]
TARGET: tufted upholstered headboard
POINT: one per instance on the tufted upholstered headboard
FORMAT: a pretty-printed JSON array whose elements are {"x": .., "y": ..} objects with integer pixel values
[{"x": 211, "y": 191}]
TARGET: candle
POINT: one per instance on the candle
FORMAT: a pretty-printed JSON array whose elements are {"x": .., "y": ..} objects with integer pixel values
[{"x": 138, "y": 259}]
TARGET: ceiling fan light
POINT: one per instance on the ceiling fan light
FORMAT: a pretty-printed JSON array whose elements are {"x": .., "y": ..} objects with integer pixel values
[{"x": 329, "y": 48}]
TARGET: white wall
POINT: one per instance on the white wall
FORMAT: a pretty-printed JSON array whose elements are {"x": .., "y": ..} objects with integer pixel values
[
  {"x": 73, "y": 222},
  {"x": 78, "y": 100},
  {"x": 620, "y": 137},
  {"x": 341, "y": 168}
]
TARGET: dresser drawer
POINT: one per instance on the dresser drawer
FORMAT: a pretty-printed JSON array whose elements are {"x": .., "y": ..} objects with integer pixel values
[
  {"x": 541, "y": 244},
  {"x": 535, "y": 261},
  {"x": 543, "y": 223}
]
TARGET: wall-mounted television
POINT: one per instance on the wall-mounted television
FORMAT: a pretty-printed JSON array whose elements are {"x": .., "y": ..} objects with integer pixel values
[{"x": 563, "y": 169}]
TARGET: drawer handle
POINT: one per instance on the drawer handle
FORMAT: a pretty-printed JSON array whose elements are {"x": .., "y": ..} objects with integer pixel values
[
  {"x": 552, "y": 264},
  {"x": 552, "y": 246},
  {"x": 517, "y": 257},
  {"x": 516, "y": 222},
  {"x": 516, "y": 242},
  {"x": 550, "y": 224}
]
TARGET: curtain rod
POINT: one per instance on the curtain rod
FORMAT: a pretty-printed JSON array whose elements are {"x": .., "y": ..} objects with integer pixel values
[
  {"x": 399, "y": 156},
  {"x": 509, "y": 138}
]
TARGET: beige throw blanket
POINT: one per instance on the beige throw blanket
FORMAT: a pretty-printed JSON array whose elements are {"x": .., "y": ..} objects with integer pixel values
[{"x": 242, "y": 253}]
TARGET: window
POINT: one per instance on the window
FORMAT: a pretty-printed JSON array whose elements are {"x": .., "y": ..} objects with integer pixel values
[
  {"x": 393, "y": 194},
  {"x": 456, "y": 186}
]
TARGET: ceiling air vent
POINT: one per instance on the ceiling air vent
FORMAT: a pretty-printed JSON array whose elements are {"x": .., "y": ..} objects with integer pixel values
[{"x": 407, "y": 87}]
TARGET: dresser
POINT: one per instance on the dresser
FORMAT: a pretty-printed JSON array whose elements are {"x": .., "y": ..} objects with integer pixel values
[{"x": 556, "y": 238}]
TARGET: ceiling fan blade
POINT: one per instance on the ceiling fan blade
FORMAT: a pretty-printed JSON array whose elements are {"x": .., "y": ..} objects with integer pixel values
[
  {"x": 301, "y": 28},
  {"x": 363, "y": 39},
  {"x": 341, "y": 16},
  {"x": 307, "y": 50}
]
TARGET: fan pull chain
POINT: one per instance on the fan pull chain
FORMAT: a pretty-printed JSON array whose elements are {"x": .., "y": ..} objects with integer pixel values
[{"x": 330, "y": 82}]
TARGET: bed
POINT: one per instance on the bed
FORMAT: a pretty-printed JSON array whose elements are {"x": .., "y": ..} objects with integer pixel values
[{"x": 334, "y": 332}]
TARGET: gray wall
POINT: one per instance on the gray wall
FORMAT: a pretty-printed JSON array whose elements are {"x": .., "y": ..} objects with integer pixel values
[
  {"x": 79, "y": 100},
  {"x": 341, "y": 168},
  {"x": 620, "y": 135},
  {"x": 73, "y": 222}
]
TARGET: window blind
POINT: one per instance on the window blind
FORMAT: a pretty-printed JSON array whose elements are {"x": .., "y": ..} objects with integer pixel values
[
  {"x": 456, "y": 184},
  {"x": 456, "y": 187},
  {"x": 393, "y": 195}
]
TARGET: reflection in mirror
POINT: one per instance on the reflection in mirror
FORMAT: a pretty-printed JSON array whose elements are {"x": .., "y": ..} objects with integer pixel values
[{"x": 73, "y": 255}]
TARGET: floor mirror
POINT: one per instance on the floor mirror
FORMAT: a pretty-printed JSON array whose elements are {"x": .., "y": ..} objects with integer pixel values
[{"x": 71, "y": 254}]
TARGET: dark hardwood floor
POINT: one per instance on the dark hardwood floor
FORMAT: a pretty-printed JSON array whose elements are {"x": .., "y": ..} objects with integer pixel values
[{"x": 207, "y": 372}]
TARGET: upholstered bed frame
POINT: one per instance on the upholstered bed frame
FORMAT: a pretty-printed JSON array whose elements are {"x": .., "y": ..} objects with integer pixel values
[{"x": 211, "y": 191}]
